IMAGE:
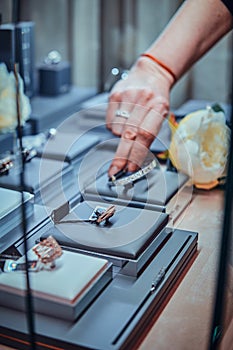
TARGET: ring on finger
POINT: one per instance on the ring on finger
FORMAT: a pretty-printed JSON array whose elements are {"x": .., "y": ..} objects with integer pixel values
[
  {"x": 123, "y": 114},
  {"x": 129, "y": 135}
]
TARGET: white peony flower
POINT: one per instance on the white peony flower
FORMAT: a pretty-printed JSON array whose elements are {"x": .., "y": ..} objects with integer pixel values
[
  {"x": 199, "y": 146},
  {"x": 8, "y": 110}
]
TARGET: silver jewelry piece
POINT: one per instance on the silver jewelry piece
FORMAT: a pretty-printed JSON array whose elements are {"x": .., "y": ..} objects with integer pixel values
[
  {"x": 98, "y": 215},
  {"x": 53, "y": 57},
  {"x": 123, "y": 114},
  {"x": 133, "y": 177},
  {"x": 47, "y": 251},
  {"x": 5, "y": 165}
]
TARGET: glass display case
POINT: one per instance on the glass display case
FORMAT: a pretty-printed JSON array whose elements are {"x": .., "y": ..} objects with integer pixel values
[{"x": 157, "y": 271}]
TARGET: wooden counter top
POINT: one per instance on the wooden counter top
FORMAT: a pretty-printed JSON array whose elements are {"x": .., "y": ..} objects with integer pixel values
[{"x": 185, "y": 321}]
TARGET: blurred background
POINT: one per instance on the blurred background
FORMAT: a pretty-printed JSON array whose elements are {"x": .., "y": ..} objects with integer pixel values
[{"x": 96, "y": 35}]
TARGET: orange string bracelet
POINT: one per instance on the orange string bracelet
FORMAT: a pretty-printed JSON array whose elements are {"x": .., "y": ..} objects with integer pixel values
[{"x": 161, "y": 64}]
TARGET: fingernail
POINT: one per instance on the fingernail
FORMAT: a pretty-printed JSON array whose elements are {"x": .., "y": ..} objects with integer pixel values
[{"x": 114, "y": 171}]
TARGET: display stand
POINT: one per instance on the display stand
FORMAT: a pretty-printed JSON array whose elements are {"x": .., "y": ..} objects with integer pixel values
[
  {"x": 68, "y": 147},
  {"x": 145, "y": 256},
  {"x": 120, "y": 313},
  {"x": 42, "y": 175},
  {"x": 55, "y": 293},
  {"x": 13, "y": 240},
  {"x": 129, "y": 239},
  {"x": 160, "y": 190}
]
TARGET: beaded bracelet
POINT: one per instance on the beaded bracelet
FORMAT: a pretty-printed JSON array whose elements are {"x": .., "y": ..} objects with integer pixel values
[{"x": 161, "y": 64}]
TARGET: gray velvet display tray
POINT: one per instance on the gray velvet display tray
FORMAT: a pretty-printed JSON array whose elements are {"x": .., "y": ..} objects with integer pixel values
[
  {"x": 46, "y": 179},
  {"x": 157, "y": 188},
  {"x": 160, "y": 190},
  {"x": 68, "y": 147},
  {"x": 131, "y": 236}
]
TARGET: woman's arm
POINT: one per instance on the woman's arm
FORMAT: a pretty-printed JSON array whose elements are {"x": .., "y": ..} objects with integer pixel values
[{"x": 193, "y": 30}]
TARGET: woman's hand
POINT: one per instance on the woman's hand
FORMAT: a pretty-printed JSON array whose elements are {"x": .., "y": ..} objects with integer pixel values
[
  {"x": 144, "y": 96},
  {"x": 136, "y": 110}
]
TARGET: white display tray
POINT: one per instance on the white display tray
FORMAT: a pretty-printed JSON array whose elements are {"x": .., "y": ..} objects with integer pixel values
[
  {"x": 10, "y": 209},
  {"x": 63, "y": 292}
]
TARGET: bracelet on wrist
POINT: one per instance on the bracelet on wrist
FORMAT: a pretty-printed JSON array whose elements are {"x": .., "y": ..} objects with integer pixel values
[{"x": 161, "y": 64}]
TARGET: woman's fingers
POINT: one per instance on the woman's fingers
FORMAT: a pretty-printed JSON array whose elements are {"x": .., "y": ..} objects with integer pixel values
[
  {"x": 122, "y": 154},
  {"x": 135, "y": 112},
  {"x": 124, "y": 103},
  {"x": 146, "y": 134},
  {"x": 135, "y": 142}
]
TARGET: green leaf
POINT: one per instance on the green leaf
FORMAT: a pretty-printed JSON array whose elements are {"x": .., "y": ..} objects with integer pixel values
[{"x": 217, "y": 108}]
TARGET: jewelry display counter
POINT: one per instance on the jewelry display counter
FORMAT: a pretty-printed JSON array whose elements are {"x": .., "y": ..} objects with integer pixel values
[
  {"x": 182, "y": 321},
  {"x": 148, "y": 258},
  {"x": 160, "y": 244}
]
